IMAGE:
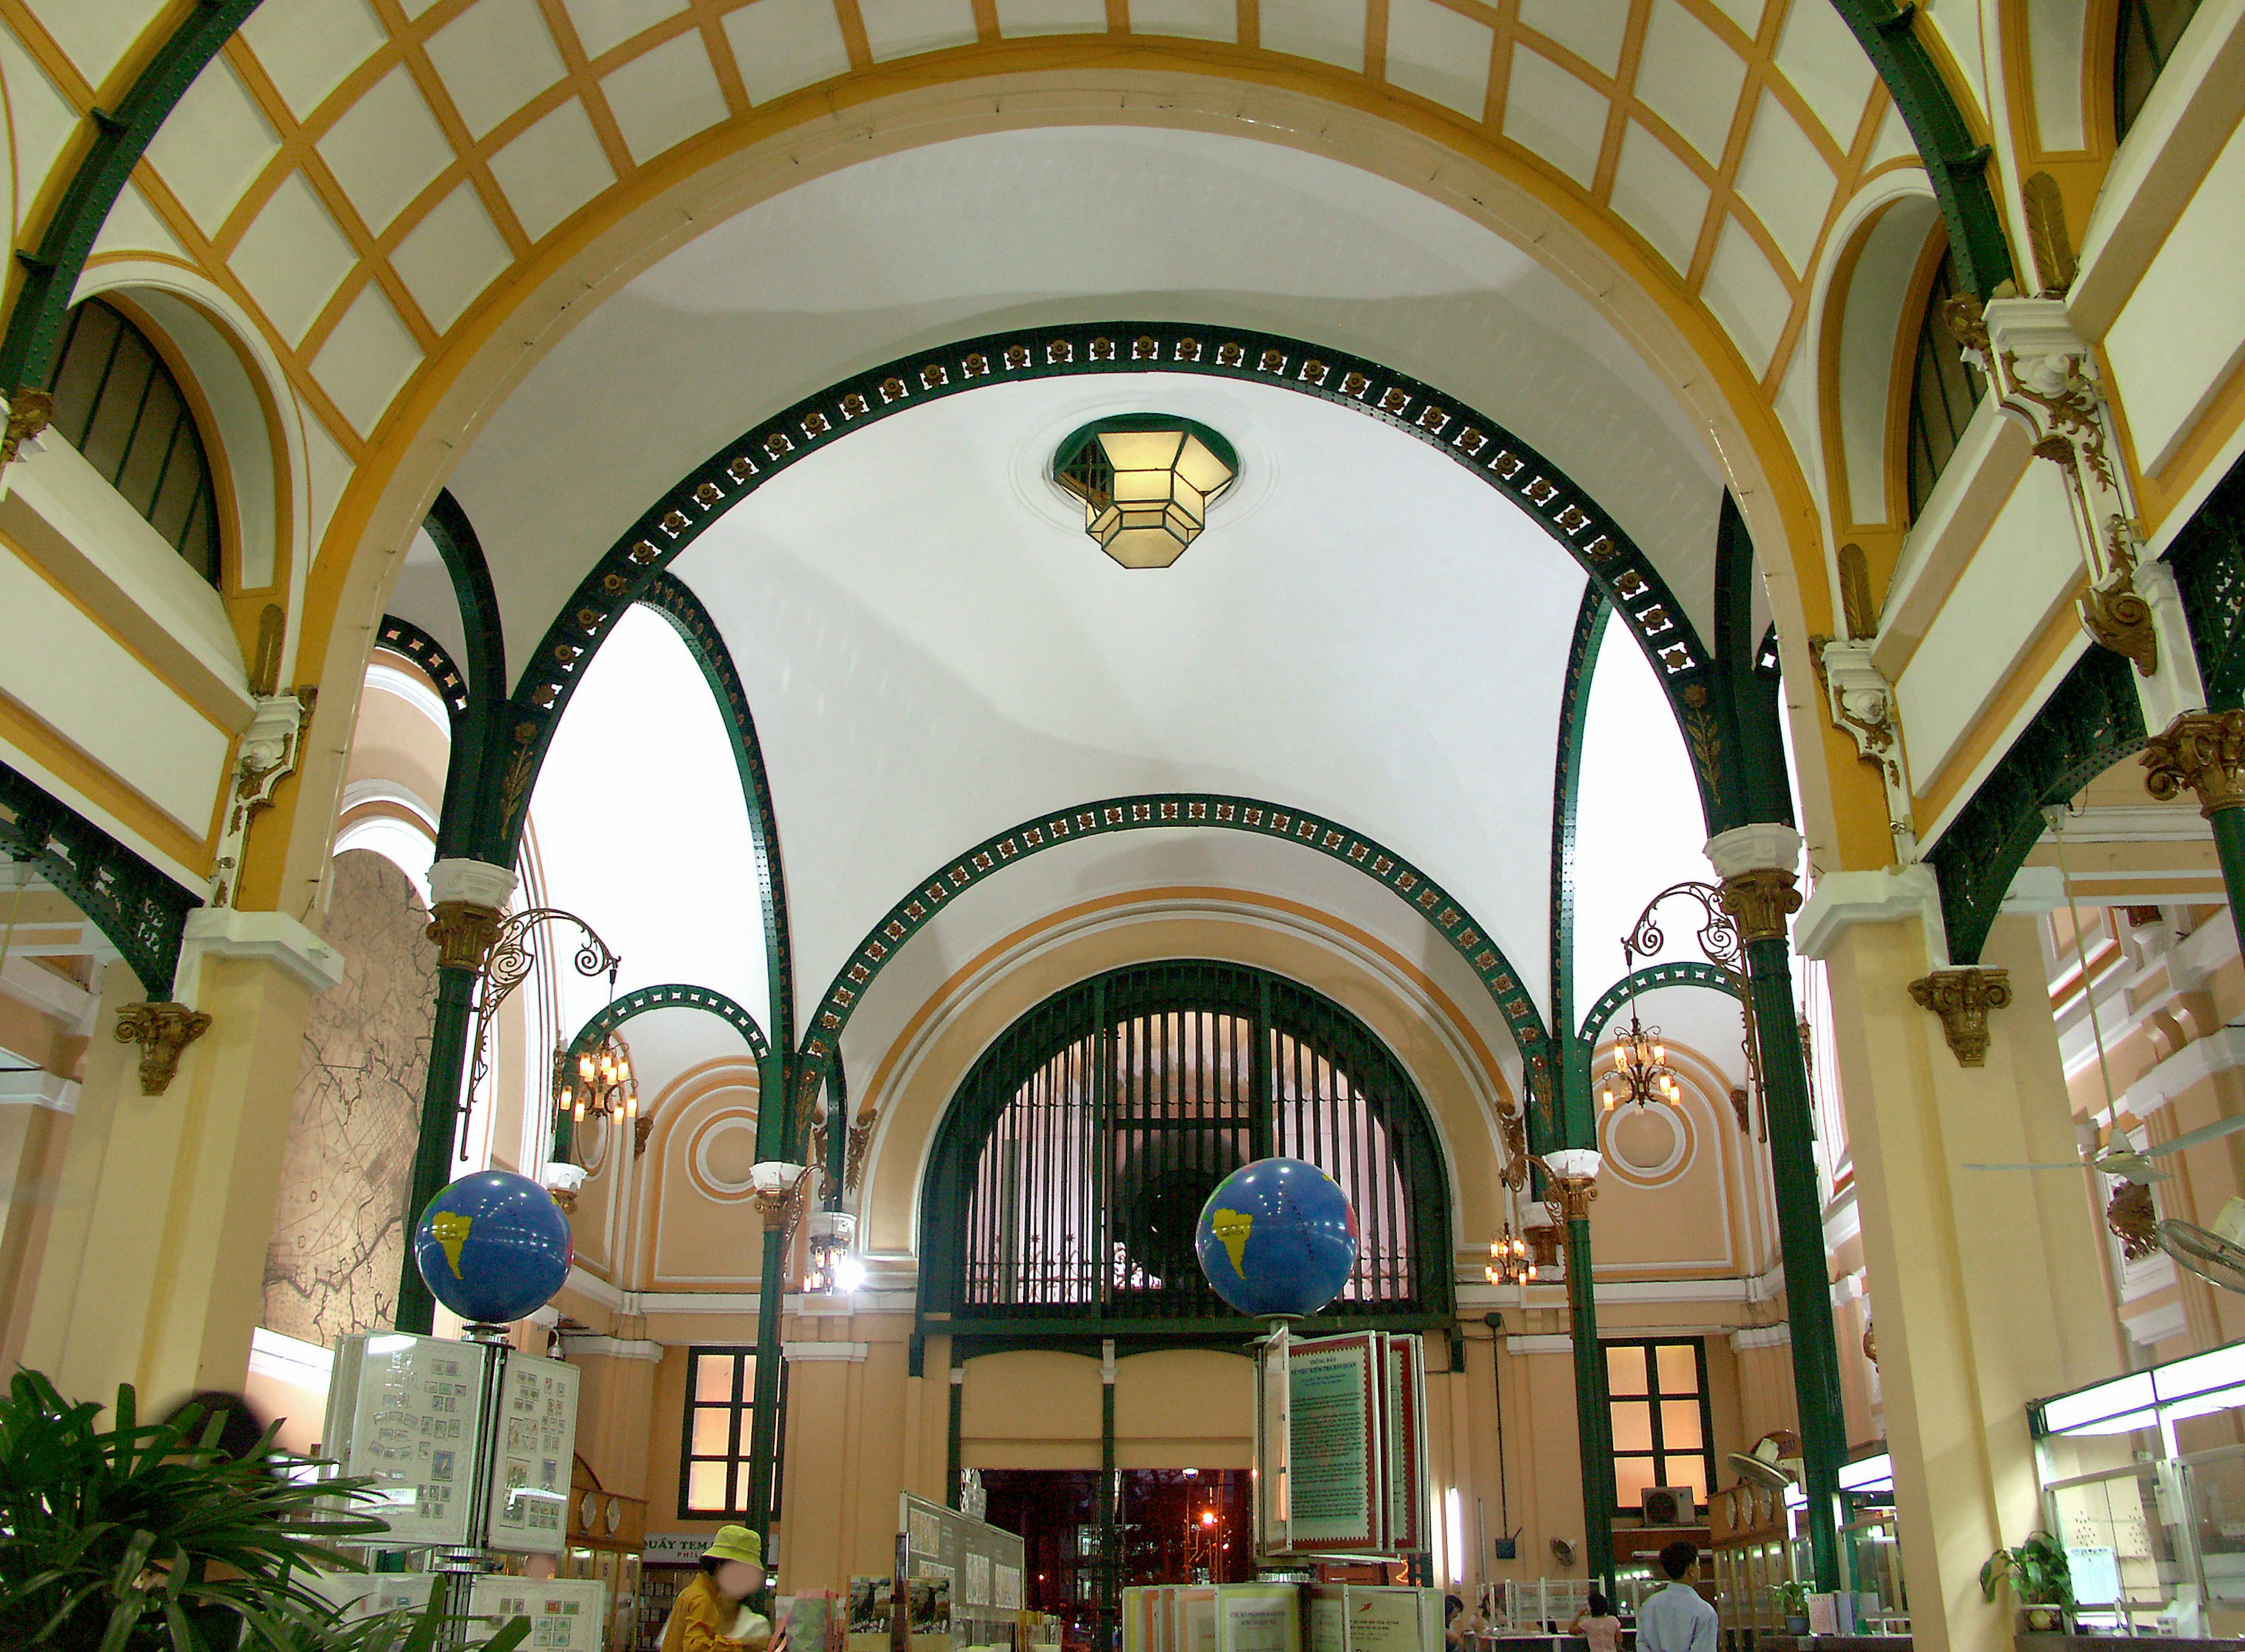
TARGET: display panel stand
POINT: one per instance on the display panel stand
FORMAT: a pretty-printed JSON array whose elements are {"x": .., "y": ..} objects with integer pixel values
[{"x": 1339, "y": 1441}]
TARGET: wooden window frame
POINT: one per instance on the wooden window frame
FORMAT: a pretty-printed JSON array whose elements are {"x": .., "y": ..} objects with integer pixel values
[{"x": 1652, "y": 1398}]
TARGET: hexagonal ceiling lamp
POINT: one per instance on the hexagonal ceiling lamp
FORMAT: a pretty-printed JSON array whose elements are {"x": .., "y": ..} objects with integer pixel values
[{"x": 1146, "y": 481}]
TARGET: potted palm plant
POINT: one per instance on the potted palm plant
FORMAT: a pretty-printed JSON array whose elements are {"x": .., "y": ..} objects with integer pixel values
[
  {"x": 127, "y": 1536},
  {"x": 2039, "y": 1578},
  {"x": 1791, "y": 1598}
]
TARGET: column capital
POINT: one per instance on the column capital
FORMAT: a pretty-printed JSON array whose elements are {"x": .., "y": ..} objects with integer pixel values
[
  {"x": 1962, "y": 998},
  {"x": 470, "y": 883},
  {"x": 2204, "y": 751},
  {"x": 467, "y": 898},
  {"x": 1764, "y": 846},
  {"x": 1841, "y": 900}
]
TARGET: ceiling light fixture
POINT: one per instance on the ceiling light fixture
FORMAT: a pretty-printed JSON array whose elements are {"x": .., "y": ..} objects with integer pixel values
[{"x": 1146, "y": 481}]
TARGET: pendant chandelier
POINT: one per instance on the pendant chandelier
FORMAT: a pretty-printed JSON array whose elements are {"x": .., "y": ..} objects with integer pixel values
[
  {"x": 1509, "y": 1263},
  {"x": 600, "y": 1084},
  {"x": 1640, "y": 1075}
]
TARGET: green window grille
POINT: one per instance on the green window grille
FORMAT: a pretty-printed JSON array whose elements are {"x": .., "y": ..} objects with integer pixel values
[
  {"x": 1663, "y": 1429},
  {"x": 1945, "y": 388},
  {"x": 116, "y": 401},
  {"x": 1068, "y": 1174},
  {"x": 2147, "y": 39}
]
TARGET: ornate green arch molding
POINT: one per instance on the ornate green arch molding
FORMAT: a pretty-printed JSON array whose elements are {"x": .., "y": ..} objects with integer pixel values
[
  {"x": 1548, "y": 1130},
  {"x": 2092, "y": 721},
  {"x": 822, "y": 1040},
  {"x": 670, "y": 598},
  {"x": 1956, "y": 161},
  {"x": 670, "y": 996},
  {"x": 404, "y": 637},
  {"x": 479, "y": 735},
  {"x": 1618, "y": 569},
  {"x": 1681, "y": 972},
  {"x": 121, "y": 136},
  {"x": 142, "y": 912}
]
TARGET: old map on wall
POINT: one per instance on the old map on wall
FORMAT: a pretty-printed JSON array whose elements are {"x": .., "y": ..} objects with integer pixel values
[{"x": 339, "y": 1233}]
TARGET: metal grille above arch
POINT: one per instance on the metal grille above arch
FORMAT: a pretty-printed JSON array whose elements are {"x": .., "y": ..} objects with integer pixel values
[{"x": 1069, "y": 1172}]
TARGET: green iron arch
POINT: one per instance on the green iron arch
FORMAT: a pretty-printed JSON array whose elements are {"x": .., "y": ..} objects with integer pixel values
[
  {"x": 676, "y": 603},
  {"x": 1069, "y": 1170},
  {"x": 672, "y": 995},
  {"x": 1681, "y": 972},
  {"x": 823, "y": 1037},
  {"x": 404, "y": 637},
  {"x": 1617, "y": 567}
]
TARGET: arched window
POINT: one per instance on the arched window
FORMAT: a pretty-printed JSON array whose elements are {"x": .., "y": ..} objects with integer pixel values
[
  {"x": 1070, "y": 1171},
  {"x": 2148, "y": 31},
  {"x": 1943, "y": 389},
  {"x": 118, "y": 404}
]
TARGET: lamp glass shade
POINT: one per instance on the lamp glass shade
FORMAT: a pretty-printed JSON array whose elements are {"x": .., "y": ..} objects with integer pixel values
[{"x": 1146, "y": 481}]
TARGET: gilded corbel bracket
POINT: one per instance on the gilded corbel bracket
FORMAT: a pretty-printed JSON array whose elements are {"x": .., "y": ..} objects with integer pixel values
[
  {"x": 28, "y": 413},
  {"x": 2133, "y": 1221},
  {"x": 854, "y": 1150},
  {"x": 2045, "y": 377},
  {"x": 1963, "y": 998},
  {"x": 269, "y": 751},
  {"x": 162, "y": 1031},
  {"x": 1861, "y": 703},
  {"x": 2204, "y": 751}
]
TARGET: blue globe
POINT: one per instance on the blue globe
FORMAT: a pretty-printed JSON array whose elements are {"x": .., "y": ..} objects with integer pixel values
[
  {"x": 493, "y": 1247},
  {"x": 1277, "y": 1237}
]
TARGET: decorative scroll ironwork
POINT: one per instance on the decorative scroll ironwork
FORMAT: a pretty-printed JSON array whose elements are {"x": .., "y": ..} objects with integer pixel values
[
  {"x": 1070, "y": 1171},
  {"x": 506, "y": 965},
  {"x": 2208, "y": 560},
  {"x": 142, "y": 912},
  {"x": 1719, "y": 940}
]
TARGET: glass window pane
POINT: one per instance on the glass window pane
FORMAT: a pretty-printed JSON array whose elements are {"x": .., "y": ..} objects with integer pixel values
[
  {"x": 160, "y": 413},
  {"x": 118, "y": 412},
  {"x": 713, "y": 1427},
  {"x": 747, "y": 1379},
  {"x": 741, "y": 1485},
  {"x": 1687, "y": 1471},
  {"x": 705, "y": 1486},
  {"x": 712, "y": 1375},
  {"x": 1679, "y": 1369},
  {"x": 1679, "y": 1424},
  {"x": 1626, "y": 1371},
  {"x": 1632, "y": 1476},
  {"x": 1632, "y": 1426}
]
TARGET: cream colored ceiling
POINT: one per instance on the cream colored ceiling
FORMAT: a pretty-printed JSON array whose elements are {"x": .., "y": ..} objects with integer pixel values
[{"x": 356, "y": 173}]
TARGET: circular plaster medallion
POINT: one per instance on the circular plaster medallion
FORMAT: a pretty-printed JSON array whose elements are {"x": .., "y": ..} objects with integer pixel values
[
  {"x": 593, "y": 1136},
  {"x": 1648, "y": 1145},
  {"x": 723, "y": 1154}
]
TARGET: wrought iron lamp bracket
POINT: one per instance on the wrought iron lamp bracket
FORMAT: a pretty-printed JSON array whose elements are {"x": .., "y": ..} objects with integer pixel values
[
  {"x": 1720, "y": 945},
  {"x": 506, "y": 965}
]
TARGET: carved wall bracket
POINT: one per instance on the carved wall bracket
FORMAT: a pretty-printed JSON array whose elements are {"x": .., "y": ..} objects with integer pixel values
[
  {"x": 28, "y": 412},
  {"x": 1861, "y": 703},
  {"x": 2114, "y": 612},
  {"x": 854, "y": 1150},
  {"x": 1962, "y": 998},
  {"x": 162, "y": 1031},
  {"x": 2204, "y": 751},
  {"x": 2133, "y": 1221},
  {"x": 269, "y": 752}
]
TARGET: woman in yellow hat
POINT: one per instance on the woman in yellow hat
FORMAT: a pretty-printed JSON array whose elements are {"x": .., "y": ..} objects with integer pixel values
[{"x": 710, "y": 1614}]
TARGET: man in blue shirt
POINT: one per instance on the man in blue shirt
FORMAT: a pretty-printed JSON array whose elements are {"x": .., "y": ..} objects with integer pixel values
[{"x": 1678, "y": 1619}]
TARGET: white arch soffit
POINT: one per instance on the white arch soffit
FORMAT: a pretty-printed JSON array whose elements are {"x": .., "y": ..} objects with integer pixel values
[
  {"x": 1361, "y": 959},
  {"x": 127, "y": 274},
  {"x": 643, "y": 720},
  {"x": 410, "y": 851},
  {"x": 512, "y": 327},
  {"x": 770, "y": 305},
  {"x": 1884, "y": 226},
  {"x": 414, "y": 689}
]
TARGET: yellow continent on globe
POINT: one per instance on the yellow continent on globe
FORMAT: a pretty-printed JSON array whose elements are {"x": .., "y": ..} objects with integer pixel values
[
  {"x": 452, "y": 1230},
  {"x": 1231, "y": 1227}
]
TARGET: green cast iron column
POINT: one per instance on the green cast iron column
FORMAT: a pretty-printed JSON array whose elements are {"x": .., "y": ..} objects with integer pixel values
[
  {"x": 1110, "y": 1568},
  {"x": 772, "y": 1137},
  {"x": 2230, "y": 845},
  {"x": 1760, "y": 896},
  {"x": 1593, "y": 1414},
  {"x": 440, "y": 1115}
]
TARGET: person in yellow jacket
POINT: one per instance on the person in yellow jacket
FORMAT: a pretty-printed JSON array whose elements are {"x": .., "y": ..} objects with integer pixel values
[{"x": 710, "y": 1614}]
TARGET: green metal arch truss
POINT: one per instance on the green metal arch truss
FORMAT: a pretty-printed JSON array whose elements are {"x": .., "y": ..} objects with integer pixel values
[
  {"x": 822, "y": 1038},
  {"x": 121, "y": 136},
  {"x": 142, "y": 912},
  {"x": 404, "y": 637},
  {"x": 670, "y": 598},
  {"x": 1617, "y": 567},
  {"x": 673, "y": 995},
  {"x": 1546, "y": 1129},
  {"x": 1680, "y": 972},
  {"x": 1956, "y": 161},
  {"x": 479, "y": 735}
]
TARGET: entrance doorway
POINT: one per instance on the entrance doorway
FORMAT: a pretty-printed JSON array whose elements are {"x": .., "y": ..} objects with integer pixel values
[{"x": 1172, "y": 1525}]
